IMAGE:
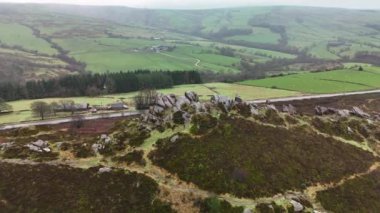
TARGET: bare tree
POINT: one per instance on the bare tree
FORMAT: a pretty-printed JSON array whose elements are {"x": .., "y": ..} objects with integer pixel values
[
  {"x": 68, "y": 105},
  {"x": 145, "y": 98},
  {"x": 41, "y": 109},
  {"x": 54, "y": 107}
]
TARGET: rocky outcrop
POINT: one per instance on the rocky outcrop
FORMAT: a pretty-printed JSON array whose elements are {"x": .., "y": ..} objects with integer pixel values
[
  {"x": 169, "y": 108},
  {"x": 4, "y": 146},
  {"x": 355, "y": 111},
  {"x": 290, "y": 109},
  {"x": 224, "y": 102},
  {"x": 103, "y": 142},
  {"x": 298, "y": 207},
  {"x": 192, "y": 96},
  {"x": 39, "y": 146},
  {"x": 271, "y": 107},
  {"x": 321, "y": 110},
  {"x": 104, "y": 170}
]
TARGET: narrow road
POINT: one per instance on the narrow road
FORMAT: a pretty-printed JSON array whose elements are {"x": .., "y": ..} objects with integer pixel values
[
  {"x": 198, "y": 61},
  {"x": 67, "y": 120},
  {"x": 306, "y": 97},
  {"x": 134, "y": 113}
]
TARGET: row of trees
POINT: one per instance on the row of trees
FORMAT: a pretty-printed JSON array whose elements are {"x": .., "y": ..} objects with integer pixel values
[
  {"x": 97, "y": 84},
  {"x": 43, "y": 109}
]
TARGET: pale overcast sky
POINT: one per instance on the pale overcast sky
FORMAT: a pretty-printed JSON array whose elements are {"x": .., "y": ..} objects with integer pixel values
[{"x": 196, "y": 4}]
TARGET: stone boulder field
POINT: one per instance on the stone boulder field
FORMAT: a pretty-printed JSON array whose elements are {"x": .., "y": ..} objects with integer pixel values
[{"x": 187, "y": 155}]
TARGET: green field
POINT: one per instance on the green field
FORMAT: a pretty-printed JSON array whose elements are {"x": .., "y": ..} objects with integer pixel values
[
  {"x": 118, "y": 38},
  {"x": 259, "y": 35},
  {"x": 18, "y": 35},
  {"x": 346, "y": 80},
  {"x": 205, "y": 91}
]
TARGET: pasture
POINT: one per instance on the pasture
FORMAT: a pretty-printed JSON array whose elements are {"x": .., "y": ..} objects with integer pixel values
[
  {"x": 345, "y": 80},
  {"x": 13, "y": 34}
]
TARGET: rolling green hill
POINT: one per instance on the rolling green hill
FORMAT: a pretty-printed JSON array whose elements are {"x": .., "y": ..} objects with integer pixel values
[{"x": 253, "y": 40}]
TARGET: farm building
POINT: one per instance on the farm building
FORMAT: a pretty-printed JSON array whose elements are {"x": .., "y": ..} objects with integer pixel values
[
  {"x": 161, "y": 48},
  {"x": 72, "y": 107},
  {"x": 118, "y": 106}
]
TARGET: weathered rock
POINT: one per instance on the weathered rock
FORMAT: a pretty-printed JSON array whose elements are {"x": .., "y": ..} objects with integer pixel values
[
  {"x": 223, "y": 101},
  {"x": 5, "y": 146},
  {"x": 157, "y": 109},
  {"x": 238, "y": 99},
  {"x": 199, "y": 107},
  {"x": 271, "y": 107},
  {"x": 96, "y": 147},
  {"x": 181, "y": 101},
  {"x": 105, "y": 138},
  {"x": 289, "y": 109},
  {"x": 298, "y": 207},
  {"x": 343, "y": 113},
  {"x": 160, "y": 101},
  {"x": 320, "y": 110},
  {"x": 104, "y": 170},
  {"x": 168, "y": 102},
  {"x": 174, "y": 138},
  {"x": 360, "y": 113},
  {"x": 39, "y": 146},
  {"x": 254, "y": 111},
  {"x": 192, "y": 96}
]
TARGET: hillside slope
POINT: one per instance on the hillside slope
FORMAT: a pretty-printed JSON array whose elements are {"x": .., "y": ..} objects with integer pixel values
[{"x": 254, "y": 40}]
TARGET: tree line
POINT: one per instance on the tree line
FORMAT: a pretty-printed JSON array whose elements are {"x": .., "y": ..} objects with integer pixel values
[{"x": 96, "y": 84}]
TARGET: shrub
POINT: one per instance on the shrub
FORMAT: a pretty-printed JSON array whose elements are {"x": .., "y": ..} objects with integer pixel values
[
  {"x": 58, "y": 188},
  {"x": 214, "y": 205},
  {"x": 361, "y": 194},
  {"x": 252, "y": 160},
  {"x": 178, "y": 117},
  {"x": 82, "y": 150},
  {"x": 202, "y": 123},
  {"x": 132, "y": 157}
]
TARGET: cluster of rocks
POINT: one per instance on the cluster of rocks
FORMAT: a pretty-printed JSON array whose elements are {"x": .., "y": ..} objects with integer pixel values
[
  {"x": 175, "y": 104},
  {"x": 355, "y": 111},
  {"x": 39, "y": 146},
  {"x": 293, "y": 204},
  {"x": 4, "y": 146},
  {"x": 103, "y": 142},
  {"x": 290, "y": 109},
  {"x": 104, "y": 170},
  {"x": 183, "y": 107},
  {"x": 226, "y": 104}
]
